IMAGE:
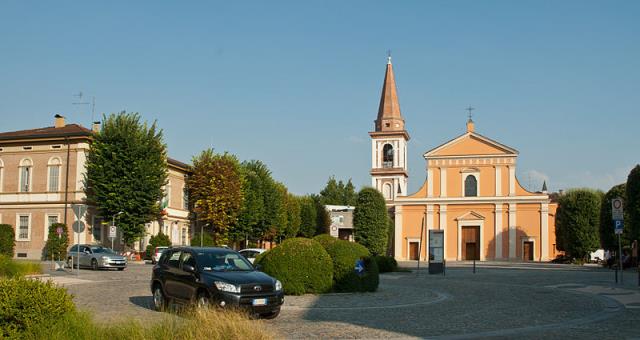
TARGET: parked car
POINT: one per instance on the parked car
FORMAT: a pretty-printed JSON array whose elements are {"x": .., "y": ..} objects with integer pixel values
[
  {"x": 95, "y": 257},
  {"x": 251, "y": 253},
  {"x": 214, "y": 277},
  {"x": 156, "y": 253}
]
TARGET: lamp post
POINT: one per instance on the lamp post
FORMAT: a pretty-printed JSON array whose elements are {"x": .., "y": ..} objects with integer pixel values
[
  {"x": 113, "y": 223},
  {"x": 201, "y": 233}
]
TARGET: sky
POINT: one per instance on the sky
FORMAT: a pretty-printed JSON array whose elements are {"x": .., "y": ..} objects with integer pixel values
[{"x": 296, "y": 84}]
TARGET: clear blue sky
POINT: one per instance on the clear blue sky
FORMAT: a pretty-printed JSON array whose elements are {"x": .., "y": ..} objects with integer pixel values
[{"x": 296, "y": 84}]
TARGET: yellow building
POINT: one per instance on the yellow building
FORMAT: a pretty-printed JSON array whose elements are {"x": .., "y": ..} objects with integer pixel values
[{"x": 471, "y": 193}]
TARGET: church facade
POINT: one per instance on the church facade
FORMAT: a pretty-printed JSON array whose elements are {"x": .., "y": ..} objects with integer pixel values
[{"x": 471, "y": 194}]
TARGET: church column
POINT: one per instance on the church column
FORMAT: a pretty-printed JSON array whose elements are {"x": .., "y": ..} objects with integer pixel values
[
  {"x": 443, "y": 227},
  {"x": 397, "y": 234},
  {"x": 374, "y": 148},
  {"x": 512, "y": 180},
  {"x": 498, "y": 180},
  {"x": 443, "y": 182},
  {"x": 498, "y": 230},
  {"x": 512, "y": 230},
  {"x": 396, "y": 154},
  {"x": 429, "y": 183},
  {"x": 544, "y": 233}
]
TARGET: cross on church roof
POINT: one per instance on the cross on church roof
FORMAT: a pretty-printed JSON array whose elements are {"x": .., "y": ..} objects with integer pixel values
[
  {"x": 470, "y": 109},
  {"x": 388, "y": 56}
]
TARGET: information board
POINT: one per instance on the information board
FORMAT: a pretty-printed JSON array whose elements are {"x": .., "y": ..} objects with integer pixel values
[{"x": 436, "y": 251}]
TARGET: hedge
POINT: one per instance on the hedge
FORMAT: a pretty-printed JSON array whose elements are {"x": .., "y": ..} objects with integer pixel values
[
  {"x": 386, "y": 264},
  {"x": 7, "y": 240},
  {"x": 56, "y": 246},
  {"x": 301, "y": 264},
  {"x": 13, "y": 268},
  {"x": 344, "y": 255},
  {"x": 25, "y": 304},
  {"x": 325, "y": 239}
]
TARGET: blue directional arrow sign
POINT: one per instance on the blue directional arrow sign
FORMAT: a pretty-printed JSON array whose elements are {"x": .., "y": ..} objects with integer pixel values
[
  {"x": 619, "y": 225},
  {"x": 359, "y": 268}
]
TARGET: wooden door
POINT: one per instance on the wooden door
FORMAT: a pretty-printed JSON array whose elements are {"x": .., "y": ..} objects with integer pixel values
[
  {"x": 413, "y": 250},
  {"x": 470, "y": 243},
  {"x": 470, "y": 251},
  {"x": 527, "y": 251}
]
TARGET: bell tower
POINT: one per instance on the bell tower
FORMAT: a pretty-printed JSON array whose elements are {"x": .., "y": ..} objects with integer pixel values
[{"x": 389, "y": 143}]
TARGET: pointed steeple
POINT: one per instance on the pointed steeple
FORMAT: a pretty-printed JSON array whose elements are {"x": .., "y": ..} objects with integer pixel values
[
  {"x": 544, "y": 187},
  {"x": 389, "y": 116}
]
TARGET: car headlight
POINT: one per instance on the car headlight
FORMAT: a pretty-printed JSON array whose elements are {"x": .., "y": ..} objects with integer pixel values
[
  {"x": 105, "y": 259},
  {"x": 278, "y": 285},
  {"x": 227, "y": 287}
]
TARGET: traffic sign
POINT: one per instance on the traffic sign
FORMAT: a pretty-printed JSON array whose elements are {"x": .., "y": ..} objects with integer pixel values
[
  {"x": 619, "y": 225},
  {"x": 616, "y": 209},
  {"x": 78, "y": 226},
  {"x": 59, "y": 231},
  {"x": 79, "y": 210},
  {"x": 359, "y": 268},
  {"x": 113, "y": 231}
]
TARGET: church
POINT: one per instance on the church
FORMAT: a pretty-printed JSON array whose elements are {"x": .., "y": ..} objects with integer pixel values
[{"x": 471, "y": 197}]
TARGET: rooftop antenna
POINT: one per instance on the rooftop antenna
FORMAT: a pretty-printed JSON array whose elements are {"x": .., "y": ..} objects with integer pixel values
[{"x": 80, "y": 102}]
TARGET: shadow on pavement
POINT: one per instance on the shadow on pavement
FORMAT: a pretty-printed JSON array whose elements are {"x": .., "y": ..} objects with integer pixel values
[{"x": 142, "y": 301}]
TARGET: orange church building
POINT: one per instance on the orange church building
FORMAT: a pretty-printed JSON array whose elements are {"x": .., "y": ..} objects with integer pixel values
[{"x": 471, "y": 194}]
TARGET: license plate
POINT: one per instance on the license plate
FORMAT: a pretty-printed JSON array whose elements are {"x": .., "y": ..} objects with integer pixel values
[{"x": 259, "y": 302}]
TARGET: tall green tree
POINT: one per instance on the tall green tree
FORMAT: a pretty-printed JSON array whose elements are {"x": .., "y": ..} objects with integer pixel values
[
  {"x": 608, "y": 238},
  {"x": 215, "y": 187},
  {"x": 308, "y": 217},
  {"x": 126, "y": 171},
  {"x": 251, "y": 218},
  {"x": 578, "y": 221},
  {"x": 56, "y": 245},
  {"x": 323, "y": 218},
  {"x": 293, "y": 216},
  {"x": 371, "y": 221},
  {"x": 632, "y": 203},
  {"x": 338, "y": 193}
]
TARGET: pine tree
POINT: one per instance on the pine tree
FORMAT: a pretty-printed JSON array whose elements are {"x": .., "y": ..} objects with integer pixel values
[{"x": 126, "y": 172}]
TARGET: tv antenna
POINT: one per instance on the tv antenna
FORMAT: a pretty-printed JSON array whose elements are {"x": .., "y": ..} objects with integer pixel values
[{"x": 80, "y": 102}]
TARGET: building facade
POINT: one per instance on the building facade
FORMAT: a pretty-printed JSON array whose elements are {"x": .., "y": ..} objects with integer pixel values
[
  {"x": 41, "y": 179},
  {"x": 471, "y": 193},
  {"x": 341, "y": 221}
]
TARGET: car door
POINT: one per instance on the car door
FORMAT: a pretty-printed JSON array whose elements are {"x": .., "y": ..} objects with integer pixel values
[
  {"x": 85, "y": 256},
  {"x": 186, "y": 285},
  {"x": 171, "y": 268}
]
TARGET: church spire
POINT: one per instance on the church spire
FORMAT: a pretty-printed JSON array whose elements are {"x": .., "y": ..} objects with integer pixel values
[{"x": 389, "y": 116}]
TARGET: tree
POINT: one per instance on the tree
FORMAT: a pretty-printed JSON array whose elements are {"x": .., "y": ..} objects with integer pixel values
[
  {"x": 608, "y": 238},
  {"x": 293, "y": 216},
  {"x": 371, "y": 221},
  {"x": 207, "y": 240},
  {"x": 251, "y": 216},
  {"x": 56, "y": 246},
  {"x": 632, "y": 203},
  {"x": 338, "y": 193},
  {"x": 308, "y": 217},
  {"x": 7, "y": 240},
  {"x": 323, "y": 218},
  {"x": 126, "y": 170},
  {"x": 215, "y": 187},
  {"x": 159, "y": 240},
  {"x": 578, "y": 221}
]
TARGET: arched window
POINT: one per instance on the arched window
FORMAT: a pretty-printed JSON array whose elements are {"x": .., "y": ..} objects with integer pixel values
[
  {"x": 26, "y": 166},
  {"x": 54, "y": 174},
  {"x": 386, "y": 191},
  {"x": 387, "y": 156},
  {"x": 470, "y": 186}
]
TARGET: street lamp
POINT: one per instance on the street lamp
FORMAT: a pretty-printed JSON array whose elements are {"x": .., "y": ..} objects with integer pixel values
[
  {"x": 202, "y": 233},
  {"x": 113, "y": 223}
]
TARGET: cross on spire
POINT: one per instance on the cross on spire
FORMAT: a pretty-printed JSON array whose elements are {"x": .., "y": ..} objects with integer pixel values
[
  {"x": 470, "y": 109},
  {"x": 388, "y": 57}
]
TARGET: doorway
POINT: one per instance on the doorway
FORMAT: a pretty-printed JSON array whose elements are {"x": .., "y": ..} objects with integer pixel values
[
  {"x": 470, "y": 243},
  {"x": 413, "y": 250},
  {"x": 527, "y": 251}
]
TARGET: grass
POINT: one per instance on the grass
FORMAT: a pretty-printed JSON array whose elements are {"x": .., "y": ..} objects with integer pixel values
[
  {"x": 201, "y": 324},
  {"x": 13, "y": 268}
]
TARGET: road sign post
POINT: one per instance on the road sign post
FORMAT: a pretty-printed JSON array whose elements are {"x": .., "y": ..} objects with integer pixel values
[
  {"x": 113, "y": 232},
  {"x": 617, "y": 214}
]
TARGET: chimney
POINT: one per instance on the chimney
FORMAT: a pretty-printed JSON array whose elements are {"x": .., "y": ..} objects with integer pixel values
[
  {"x": 95, "y": 127},
  {"x": 59, "y": 122}
]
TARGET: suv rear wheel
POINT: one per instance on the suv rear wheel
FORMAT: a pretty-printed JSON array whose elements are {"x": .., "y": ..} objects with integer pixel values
[{"x": 159, "y": 300}]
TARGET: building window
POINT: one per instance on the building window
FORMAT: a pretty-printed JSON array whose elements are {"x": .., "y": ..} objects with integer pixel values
[
  {"x": 25, "y": 175},
  {"x": 184, "y": 237},
  {"x": 470, "y": 186},
  {"x": 51, "y": 220},
  {"x": 23, "y": 228},
  {"x": 386, "y": 191},
  {"x": 185, "y": 198},
  {"x": 54, "y": 174},
  {"x": 387, "y": 156}
]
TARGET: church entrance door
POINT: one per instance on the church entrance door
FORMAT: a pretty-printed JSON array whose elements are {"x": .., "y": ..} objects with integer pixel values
[
  {"x": 470, "y": 243},
  {"x": 413, "y": 250},
  {"x": 527, "y": 251}
]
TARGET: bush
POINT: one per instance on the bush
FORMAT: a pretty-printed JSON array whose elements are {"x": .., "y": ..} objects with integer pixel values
[
  {"x": 371, "y": 221},
  {"x": 301, "y": 264},
  {"x": 344, "y": 255},
  {"x": 7, "y": 240},
  {"x": 12, "y": 268},
  {"x": 325, "y": 239},
  {"x": 207, "y": 240},
  {"x": 24, "y": 304},
  {"x": 386, "y": 264},
  {"x": 160, "y": 240},
  {"x": 56, "y": 246}
]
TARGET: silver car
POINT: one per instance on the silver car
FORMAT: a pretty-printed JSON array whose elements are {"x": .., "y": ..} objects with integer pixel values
[{"x": 95, "y": 257}]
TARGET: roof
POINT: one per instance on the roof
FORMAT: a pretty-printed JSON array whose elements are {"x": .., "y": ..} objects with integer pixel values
[
  {"x": 472, "y": 135},
  {"x": 389, "y": 104},
  {"x": 178, "y": 164},
  {"x": 69, "y": 130}
]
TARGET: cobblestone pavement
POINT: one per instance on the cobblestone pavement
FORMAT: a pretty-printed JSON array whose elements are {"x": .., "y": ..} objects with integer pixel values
[{"x": 500, "y": 300}]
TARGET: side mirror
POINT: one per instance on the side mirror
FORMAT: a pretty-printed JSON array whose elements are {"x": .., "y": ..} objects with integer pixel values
[
  {"x": 257, "y": 267},
  {"x": 188, "y": 268}
]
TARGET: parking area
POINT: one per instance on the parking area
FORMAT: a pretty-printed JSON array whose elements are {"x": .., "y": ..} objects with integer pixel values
[{"x": 499, "y": 301}]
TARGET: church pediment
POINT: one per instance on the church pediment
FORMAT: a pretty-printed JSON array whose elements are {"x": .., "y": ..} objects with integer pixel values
[
  {"x": 470, "y": 216},
  {"x": 470, "y": 144}
]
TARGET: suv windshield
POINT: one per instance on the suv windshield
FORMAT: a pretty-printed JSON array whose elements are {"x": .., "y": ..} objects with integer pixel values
[
  {"x": 102, "y": 250},
  {"x": 222, "y": 262}
]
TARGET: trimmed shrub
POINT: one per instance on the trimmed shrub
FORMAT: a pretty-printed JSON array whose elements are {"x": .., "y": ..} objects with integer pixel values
[
  {"x": 371, "y": 221},
  {"x": 25, "y": 304},
  {"x": 371, "y": 278},
  {"x": 57, "y": 245},
  {"x": 386, "y": 263},
  {"x": 301, "y": 264},
  {"x": 159, "y": 240},
  {"x": 344, "y": 255},
  {"x": 7, "y": 240},
  {"x": 325, "y": 239}
]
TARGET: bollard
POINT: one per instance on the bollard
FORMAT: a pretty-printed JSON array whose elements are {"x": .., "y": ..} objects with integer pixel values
[
  {"x": 444, "y": 266},
  {"x": 638, "y": 275},
  {"x": 616, "y": 274},
  {"x": 474, "y": 265}
]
